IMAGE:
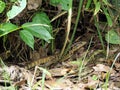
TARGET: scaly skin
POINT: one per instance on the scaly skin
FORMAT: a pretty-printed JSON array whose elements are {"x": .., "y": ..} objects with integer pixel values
[{"x": 54, "y": 58}]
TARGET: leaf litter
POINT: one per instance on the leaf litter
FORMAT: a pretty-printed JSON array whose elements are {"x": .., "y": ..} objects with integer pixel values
[{"x": 66, "y": 75}]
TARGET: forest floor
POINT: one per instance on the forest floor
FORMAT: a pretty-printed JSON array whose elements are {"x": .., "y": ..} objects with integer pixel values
[{"x": 88, "y": 67}]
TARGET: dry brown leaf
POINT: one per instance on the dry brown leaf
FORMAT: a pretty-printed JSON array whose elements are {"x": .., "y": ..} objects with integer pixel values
[
  {"x": 117, "y": 65},
  {"x": 53, "y": 84},
  {"x": 103, "y": 75},
  {"x": 103, "y": 68},
  {"x": 92, "y": 84},
  {"x": 34, "y": 4},
  {"x": 58, "y": 71},
  {"x": 17, "y": 73},
  {"x": 19, "y": 83},
  {"x": 61, "y": 84},
  {"x": 80, "y": 85}
]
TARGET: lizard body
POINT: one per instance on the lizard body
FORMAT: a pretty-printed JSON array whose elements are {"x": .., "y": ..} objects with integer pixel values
[{"x": 54, "y": 58}]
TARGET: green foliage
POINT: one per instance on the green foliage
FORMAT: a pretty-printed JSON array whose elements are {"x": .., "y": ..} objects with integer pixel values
[
  {"x": 109, "y": 19},
  {"x": 97, "y": 8},
  {"x": 55, "y": 2},
  {"x": 115, "y": 3},
  {"x": 42, "y": 18},
  {"x": 104, "y": 7},
  {"x": 40, "y": 27},
  {"x": 100, "y": 7},
  {"x": 38, "y": 30},
  {"x": 64, "y": 3},
  {"x": 2, "y": 6},
  {"x": 105, "y": 2},
  {"x": 16, "y": 9},
  {"x": 88, "y": 4},
  {"x": 27, "y": 37},
  {"x": 112, "y": 37},
  {"x": 6, "y": 28}
]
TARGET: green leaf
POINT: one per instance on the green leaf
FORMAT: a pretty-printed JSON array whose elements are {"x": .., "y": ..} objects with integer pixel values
[
  {"x": 109, "y": 19},
  {"x": 97, "y": 7},
  {"x": 112, "y": 37},
  {"x": 27, "y": 37},
  {"x": 55, "y": 2},
  {"x": 64, "y": 3},
  {"x": 2, "y": 6},
  {"x": 16, "y": 9},
  {"x": 38, "y": 30},
  {"x": 40, "y": 26},
  {"x": 6, "y": 28},
  {"x": 42, "y": 18}
]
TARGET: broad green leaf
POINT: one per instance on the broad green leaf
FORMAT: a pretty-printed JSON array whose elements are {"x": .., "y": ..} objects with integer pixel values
[
  {"x": 42, "y": 18},
  {"x": 16, "y": 9},
  {"x": 2, "y": 6},
  {"x": 40, "y": 26},
  {"x": 65, "y": 4},
  {"x": 27, "y": 37},
  {"x": 55, "y": 2},
  {"x": 6, "y": 28},
  {"x": 97, "y": 7},
  {"x": 112, "y": 37},
  {"x": 38, "y": 31}
]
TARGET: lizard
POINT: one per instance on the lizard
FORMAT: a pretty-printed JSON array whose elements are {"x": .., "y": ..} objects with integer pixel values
[{"x": 54, "y": 58}]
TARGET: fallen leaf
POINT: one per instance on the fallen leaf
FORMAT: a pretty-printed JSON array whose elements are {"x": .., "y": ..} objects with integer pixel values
[
  {"x": 34, "y": 4},
  {"x": 58, "y": 71},
  {"x": 103, "y": 68},
  {"x": 52, "y": 84},
  {"x": 92, "y": 84}
]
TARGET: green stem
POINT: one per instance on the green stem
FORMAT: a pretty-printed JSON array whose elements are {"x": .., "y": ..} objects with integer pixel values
[
  {"x": 68, "y": 27},
  {"x": 99, "y": 33},
  {"x": 88, "y": 4},
  {"x": 76, "y": 24}
]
